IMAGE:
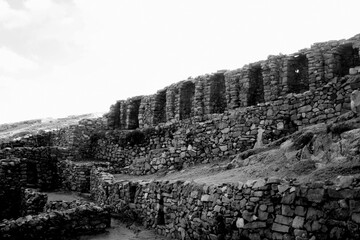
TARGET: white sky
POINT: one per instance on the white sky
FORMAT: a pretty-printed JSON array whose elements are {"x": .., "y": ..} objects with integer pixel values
[{"x": 64, "y": 57}]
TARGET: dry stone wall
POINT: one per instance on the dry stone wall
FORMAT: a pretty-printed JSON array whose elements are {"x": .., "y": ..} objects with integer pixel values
[
  {"x": 258, "y": 209},
  {"x": 34, "y": 202},
  {"x": 12, "y": 176},
  {"x": 214, "y": 136},
  {"x": 39, "y": 165},
  {"x": 263, "y": 81},
  {"x": 58, "y": 224},
  {"x": 75, "y": 176}
]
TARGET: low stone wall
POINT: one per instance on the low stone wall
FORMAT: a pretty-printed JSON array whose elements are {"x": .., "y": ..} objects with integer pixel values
[
  {"x": 67, "y": 224},
  {"x": 75, "y": 138},
  {"x": 12, "y": 177},
  {"x": 34, "y": 202},
  {"x": 258, "y": 209},
  {"x": 62, "y": 205},
  {"x": 39, "y": 165},
  {"x": 75, "y": 176}
]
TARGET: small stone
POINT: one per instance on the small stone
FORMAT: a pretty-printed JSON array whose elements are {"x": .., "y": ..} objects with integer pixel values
[
  {"x": 298, "y": 222},
  {"x": 280, "y": 228}
]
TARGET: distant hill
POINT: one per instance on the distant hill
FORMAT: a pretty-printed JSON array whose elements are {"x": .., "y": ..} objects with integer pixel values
[{"x": 11, "y": 131}]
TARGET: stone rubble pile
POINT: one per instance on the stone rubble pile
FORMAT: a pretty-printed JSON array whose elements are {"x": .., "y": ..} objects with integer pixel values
[{"x": 66, "y": 224}]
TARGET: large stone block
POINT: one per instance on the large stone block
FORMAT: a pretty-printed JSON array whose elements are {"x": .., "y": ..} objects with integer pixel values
[{"x": 280, "y": 228}]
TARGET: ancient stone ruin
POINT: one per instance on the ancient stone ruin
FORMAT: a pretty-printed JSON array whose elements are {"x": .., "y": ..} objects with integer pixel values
[{"x": 199, "y": 120}]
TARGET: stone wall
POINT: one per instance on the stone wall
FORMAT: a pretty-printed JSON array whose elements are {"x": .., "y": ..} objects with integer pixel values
[
  {"x": 75, "y": 176},
  {"x": 263, "y": 81},
  {"x": 34, "y": 202},
  {"x": 74, "y": 138},
  {"x": 268, "y": 208},
  {"x": 65, "y": 224},
  {"x": 12, "y": 176},
  {"x": 215, "y": 136},
  {"x": 40, "y": 165}
]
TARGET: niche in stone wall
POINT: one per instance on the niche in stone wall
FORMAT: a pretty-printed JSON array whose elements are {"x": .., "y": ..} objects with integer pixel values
[
  {"x": 31, "y": 173},
  {"x": 160, "y": 107},
  {"x": 347, "y": 57},
  {"x": 217, "y": 93},
  {"x": 133, "y": 113},
  {"x": 117, "y": 115},
  {"x": 187, "y": 91},
  {"x": 256, "y": 85},
  {"x": 132, "y": 192},
  {"x": 298, "y": 74},
  {"x": 161, "y": 213}
]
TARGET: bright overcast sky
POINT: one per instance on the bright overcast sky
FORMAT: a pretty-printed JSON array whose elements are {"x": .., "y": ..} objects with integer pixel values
[{"x": 64, "y": 57}]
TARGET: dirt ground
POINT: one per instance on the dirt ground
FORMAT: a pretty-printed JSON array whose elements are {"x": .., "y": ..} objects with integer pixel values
[{"x": 118, "y": 229}]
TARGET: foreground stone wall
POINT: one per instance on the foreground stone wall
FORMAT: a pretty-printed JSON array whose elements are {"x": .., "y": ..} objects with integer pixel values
[
  {"x": 34, "y": 202},
  {"x": 12, "y": 177},
  {"x": 65, "y": 224},
  {"x": 270, "y": 208},
  {"x": 215, "y": 136}
]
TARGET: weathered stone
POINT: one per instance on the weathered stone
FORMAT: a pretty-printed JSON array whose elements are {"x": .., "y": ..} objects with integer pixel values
[
  {"x": 355, "y": 101},
  {"x": 300, "y": 211},
  {"x": 280, "y": 228},
  {"x": 286, "y": 210},
  {"x": 205, "y": 198},
  {"x": 298, "y": 222},
  {"x": 356, "y": 217},
  {"x": 315, "y": 195},
  {"x": 283, "y": 220},
  {"x": 255, "y": 225}
]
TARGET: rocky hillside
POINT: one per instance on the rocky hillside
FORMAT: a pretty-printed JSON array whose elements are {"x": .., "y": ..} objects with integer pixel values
[{"x": 12, "y": 131}]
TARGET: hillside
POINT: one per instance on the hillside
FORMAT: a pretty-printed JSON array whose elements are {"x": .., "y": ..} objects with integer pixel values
[{"x": 12, "y": 131}]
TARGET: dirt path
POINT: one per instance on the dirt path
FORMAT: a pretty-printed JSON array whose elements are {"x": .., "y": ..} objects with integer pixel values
[{"x": 117, "y": 231}]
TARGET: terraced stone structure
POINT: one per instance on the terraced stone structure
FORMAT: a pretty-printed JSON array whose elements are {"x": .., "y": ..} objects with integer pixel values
[{"x": 200, "y": 120}]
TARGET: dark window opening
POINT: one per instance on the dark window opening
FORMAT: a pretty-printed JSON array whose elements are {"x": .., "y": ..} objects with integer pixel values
[
  {"x": 298, "y": 76},
  {"x": 117, "y": 115},
  {"x": 32, "y": 174},
  {"x": 256, "y": 86},
  {"x": 217, "y": 94},
  {"x": 187, "y": 92},
  {"x": 347, "y": 57},
  {"x": 134, "y": 106},
  {"x": 161, "y": 213},
  {"x": 160, "y": 107},
  {"x": 132, "y": 191}
]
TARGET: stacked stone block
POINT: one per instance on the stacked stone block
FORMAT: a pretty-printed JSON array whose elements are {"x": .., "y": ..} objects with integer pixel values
[
  {"x": 146, "y": 111},
  {"x": 269, "y": 208},
  {"x": 12, "y": 178},
  {"x": 198, "y": 103},
  {"x": 272, "y": 71},
  {"x": 67, "y": 224},
  {"x": 308, "y": 69},
  {"x": 34, "y": 202},
  {"x": 217, "y": 136}
]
